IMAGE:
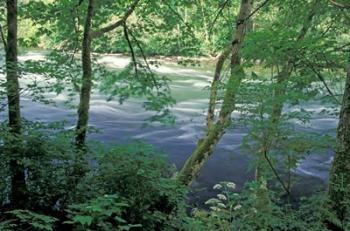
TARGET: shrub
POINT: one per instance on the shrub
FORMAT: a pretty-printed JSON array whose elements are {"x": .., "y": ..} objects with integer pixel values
[
  {"x": 143, "y": 178},
  {"x": 100, "y": 188}
]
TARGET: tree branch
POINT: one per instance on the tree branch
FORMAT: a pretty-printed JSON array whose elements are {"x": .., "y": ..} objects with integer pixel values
[
  {"x": 341, "y": 5},
  {"x": 126, "y": 35},
  {"x": 257, "y": 9},
  {"x": 3, "y": 37},
  {"x": 217, "y": 15},
  {"x": 276, "y": 174},
  {"x": 178, "y": 15},
  {"x": 319, "y": 75},
  {"x": 118, "y": 23},
  {"x": 144, "y": 58}
]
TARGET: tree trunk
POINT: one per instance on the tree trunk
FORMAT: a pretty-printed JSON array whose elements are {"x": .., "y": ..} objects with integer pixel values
[
  {"x": 339, "y": 185},
  {"x": 85, "y": 94},
  {"x": 206, "y": 145},
  {"x": 18, "y": 186},
  {"x": 279, "y": 95},
  {"x": 263, "y": 161},
  {"x": 214, "y": 86}
]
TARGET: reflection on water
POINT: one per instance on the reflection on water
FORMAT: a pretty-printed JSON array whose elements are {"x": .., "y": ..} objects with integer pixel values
[{"x": 122, "y": 123}]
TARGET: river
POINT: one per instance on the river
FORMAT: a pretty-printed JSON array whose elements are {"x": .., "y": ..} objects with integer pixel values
[{"x": 229, "y": 162}]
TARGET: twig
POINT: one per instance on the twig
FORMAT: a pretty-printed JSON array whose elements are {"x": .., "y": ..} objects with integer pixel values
[
  {"x": 144, "y": 58},
  {"x": 276, "y": 173},
  {"x": 253, "y": 12},
  {"x": 217, "y": 15},
  {"x": 3, "y": 37},
  {"x": 320, "y": 76},
  {"x": 341, "y": 5},
  {"x": 118, "y": 23},
  {"x": 126, "y": 35},
  {"x": 178, "y": 15}
]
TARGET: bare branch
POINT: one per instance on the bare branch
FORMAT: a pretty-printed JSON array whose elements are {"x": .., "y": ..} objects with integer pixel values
[
  {"x": 222, "y": 7},
  {"x": 341, "y": 5},
  {"x": 118, "y": 23},
  {"x": 126, "y": 35},
  {"x": 138, "y": 44},
  {"x": 276, "y": 174},
  {"x": 178, "y": 15},
  {"x": 3, "y": 37},
  {"x": 322, "y": 79},
  {"x": 257, "y": 9}
]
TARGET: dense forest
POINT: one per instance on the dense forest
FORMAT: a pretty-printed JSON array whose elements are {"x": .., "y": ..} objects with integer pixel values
[{"x": 174, "y": 115}]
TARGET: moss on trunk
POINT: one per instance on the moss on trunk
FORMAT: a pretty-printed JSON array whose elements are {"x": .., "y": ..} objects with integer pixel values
[
  {"x": 18, "y": 184},
  {"x": 85, "y": 94},
  {"x": 339, "y": 185},
  {"x": 216, "y": 130}
]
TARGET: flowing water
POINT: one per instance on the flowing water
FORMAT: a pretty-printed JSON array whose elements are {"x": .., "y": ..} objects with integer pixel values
[{"x": 124, "y": 123}]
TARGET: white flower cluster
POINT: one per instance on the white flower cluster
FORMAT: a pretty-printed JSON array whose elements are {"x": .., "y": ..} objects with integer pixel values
[
  {"x": 231, "y": 185},
  {"x": 222, "y": 197},
  {"x": 212, "y": 201}
]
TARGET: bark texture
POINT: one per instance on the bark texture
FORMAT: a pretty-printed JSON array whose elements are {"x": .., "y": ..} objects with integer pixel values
[
  {"x": 85, "y": 94},
  {"x": 18, "y": 186},
  {"x": 215, "y": 84},
  {"x": 339, "y": 186},
  {"x": 206, "y": 145}
]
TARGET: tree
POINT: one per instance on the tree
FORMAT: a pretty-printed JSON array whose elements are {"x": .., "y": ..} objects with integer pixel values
[
  {"x": 339, "y": 182},
  {"x": 206, "y": 145},
  {"x": 279, "y": 95},
  {"x": 83, "y": 109},
  {"x": 18, "y": 185},
  {"x": 85, "y": 94}
]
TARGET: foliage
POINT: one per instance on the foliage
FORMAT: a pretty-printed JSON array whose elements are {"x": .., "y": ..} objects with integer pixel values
[
  {"x": 102, "y": 213},
  {"x": 296, "y": 53},
  {"x": 25, "y": 219},
  {"x": 131, "y": 171},
  {"x": 231, "y": 210},
  {"x": 132, "y": 184}
]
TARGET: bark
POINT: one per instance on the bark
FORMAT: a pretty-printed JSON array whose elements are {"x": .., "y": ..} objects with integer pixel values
[
  {"x": 214, "y": 86},
  {"x": 117, "y": 23},
  {"x": 341, "y": 5},
  {"x": 85, "y": 94},
  {"x": 339, "y": 186},
  {"x": 206, "y": 145},
  {"x": 18, "y": 186}
]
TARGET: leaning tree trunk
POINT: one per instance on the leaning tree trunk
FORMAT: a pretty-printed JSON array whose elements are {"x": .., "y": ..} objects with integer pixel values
[
  {"x": 85, "y": 94},
  {"x": 339, "y": 184},
  {"x": 215, "y": 84},
  {"x": 206, "y": 145},
  {"x": 18, "y": 186}
]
